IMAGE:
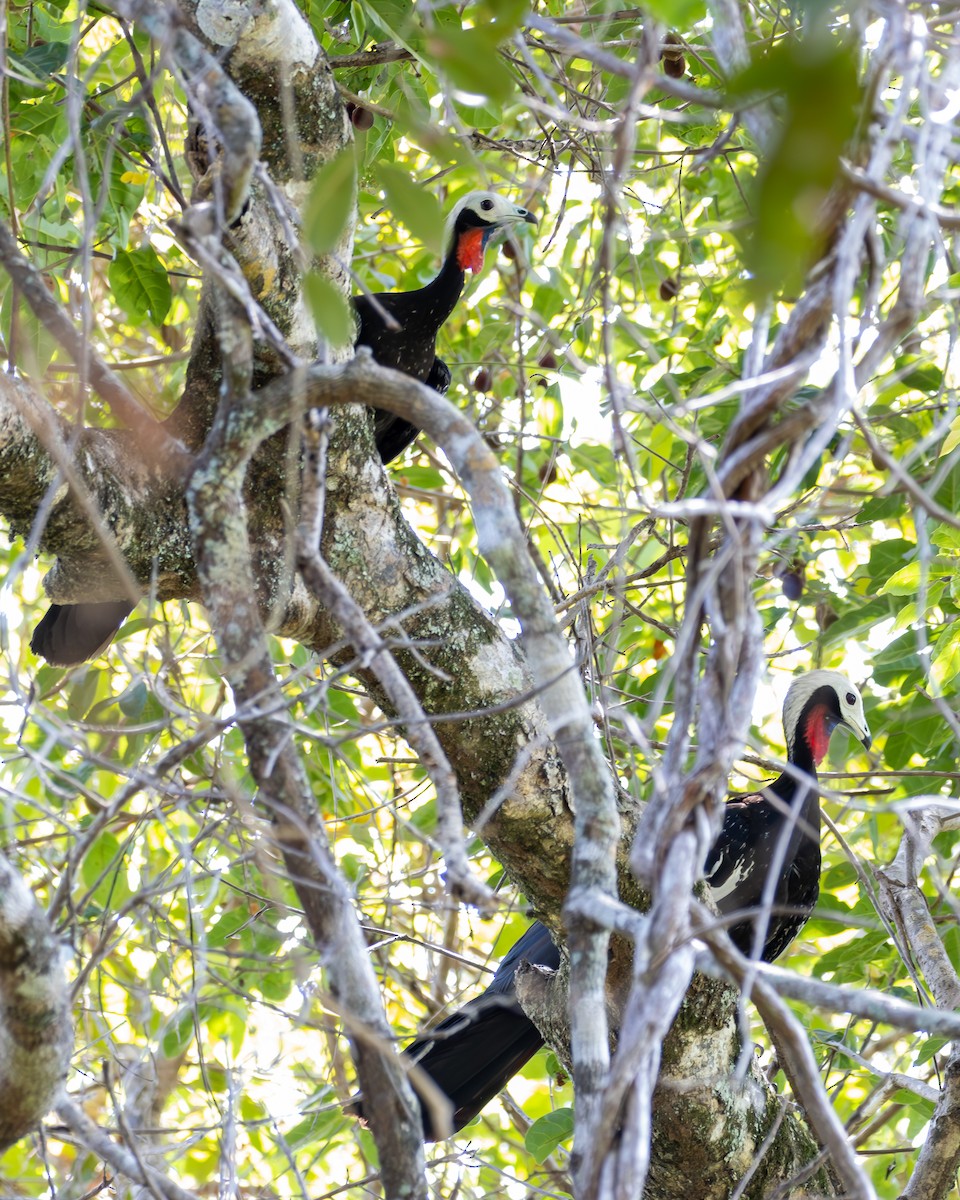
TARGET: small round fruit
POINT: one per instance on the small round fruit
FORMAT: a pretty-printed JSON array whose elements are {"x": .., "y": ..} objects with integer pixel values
[
  {"x": 792, "y": 584},
  {"x": 362, "y": 118},
  {"x": 674, "y": 65},
  {"x": 547, "y": 473}
]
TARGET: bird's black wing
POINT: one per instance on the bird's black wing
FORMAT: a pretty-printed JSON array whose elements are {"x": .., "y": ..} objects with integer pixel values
[
  {"x": 536, "y": 947},
  {"x": 732, "y": 860},
  {"x": 439, "y": 377},
  {"x": 393, "y": 434},
  {"x": 740, "y": 861},
  {"x": 71, "y": 633}
]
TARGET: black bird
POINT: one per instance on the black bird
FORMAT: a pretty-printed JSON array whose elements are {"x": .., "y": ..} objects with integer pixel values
[
  {"x": 477, "y": 221},
  {"x": 68, "y": 634},
  {"x": 71, "y": 633},
  {"x": 473, "y": 1053}
]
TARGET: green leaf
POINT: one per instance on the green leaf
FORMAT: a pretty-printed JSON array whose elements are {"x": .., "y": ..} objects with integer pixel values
[
  {"x": 947, "y": 494},
  {"x": 888, "y": 556},
  {"x": 314, "y": 1128},
  {"x": 945, "y": 664},
  {"x": 83, "y": 692},
  {"x": 140, "y": 284},
  {"x": 851, "y": 956},
  {"x": 416, "y": 207},
  {"x": 508, "y": 14},
  {"x": 546, "y": 1133},
  {"x": 930, "y": 1048},
  {"x": 103, "y": 870},
  {"x": 30, "y": 71},
  {"x": 227, "y": 926},
  {"x": 134, "y": 701},
  {"x": 839, "y": 876},
  {"x": 905, "y": 582},
  {"x": 818, "y": 83},
  {"x": 35, "y": 346},
  {"x": 333, "y": 197},
  {"x": 471, "y": 61},
  {"x": 395, "y": 18},
  {"x": 275, "y": 986},
  {"x": 124, "y": 194},
  {"x": 945, "y": 537},
  {"x": 138, "y": 703},
  {"x": 179, "y": 1036},
  {"x": 330, "y": 309},
  {"x": 678, "y": 14},
  {"x": 952, "y": 440}
]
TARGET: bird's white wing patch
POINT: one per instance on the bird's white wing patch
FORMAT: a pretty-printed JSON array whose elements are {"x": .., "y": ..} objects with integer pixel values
[{"x": 738, "y": 873}]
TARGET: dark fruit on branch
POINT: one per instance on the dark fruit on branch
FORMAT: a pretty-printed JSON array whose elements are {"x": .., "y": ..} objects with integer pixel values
[
  {"x": 674, "y": 64},
  {"x": 482, "y": 381},
  {"x": 362, "y": 118},
  {"x": 548, "y": 361},
  {"x": 547, "y": 473},
  {"x": 669, "y": 288},
  {"x": 675, "y": 67},
  {"x": 792, "y": 584}
]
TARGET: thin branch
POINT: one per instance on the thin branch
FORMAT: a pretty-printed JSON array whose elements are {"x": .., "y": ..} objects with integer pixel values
[
  {"x": 91, "y": 1136},
  {"x": 157, "y": 446},
  {"x": 377, "y": 56}
]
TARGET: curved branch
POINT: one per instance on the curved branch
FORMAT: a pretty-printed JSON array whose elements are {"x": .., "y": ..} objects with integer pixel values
[{"x": 156, "y": 443}]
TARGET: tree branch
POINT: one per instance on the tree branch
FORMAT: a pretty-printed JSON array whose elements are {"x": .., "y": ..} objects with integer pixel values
[{"x": 904, "y": 904}]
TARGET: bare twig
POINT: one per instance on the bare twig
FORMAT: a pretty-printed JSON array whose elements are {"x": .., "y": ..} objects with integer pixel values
[{"x": 90, "y": 1135}]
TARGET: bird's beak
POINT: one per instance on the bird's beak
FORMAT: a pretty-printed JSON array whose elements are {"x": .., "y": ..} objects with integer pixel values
[
  {"x": 519, "y": 216},
  {"x": 859, "y": 729}
]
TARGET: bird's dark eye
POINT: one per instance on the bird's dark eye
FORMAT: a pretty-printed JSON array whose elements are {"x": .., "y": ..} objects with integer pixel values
[
  {"x": 851, "y": 698},
  {"x": 486, "y": 205}
]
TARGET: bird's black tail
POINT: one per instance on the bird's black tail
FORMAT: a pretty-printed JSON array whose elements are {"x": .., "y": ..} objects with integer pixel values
[
  {"x": 473, "y": 1054},
  {"x": 71, "y": 633}
]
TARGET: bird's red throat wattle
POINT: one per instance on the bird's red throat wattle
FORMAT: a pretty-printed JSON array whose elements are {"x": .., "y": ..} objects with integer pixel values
[
  {"x": 817, "y": 733},
  {"x": 470, "y": 250}
]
